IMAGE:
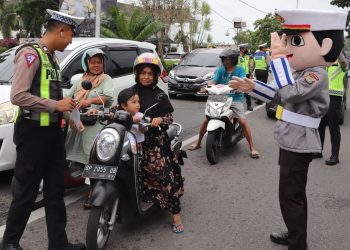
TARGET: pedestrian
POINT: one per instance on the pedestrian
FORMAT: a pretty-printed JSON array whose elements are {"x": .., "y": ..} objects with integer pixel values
[
  {"x": 246, "y": 62},
  {"x": 160, "y": 179},
  {"x": 336, "y": 77},
  {"x": 223, "y": 75},
  {"x": 79, "y": 141},
  {"x": 261, "y": 64},
  {"x": 38, "y": 136},
  {"x": 311, "y": 41}
]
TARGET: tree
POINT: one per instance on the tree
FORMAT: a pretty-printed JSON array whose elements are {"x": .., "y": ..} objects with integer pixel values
[
  {"x": 138, "y": 27},
  {"x": 243, "y": 36},
  {"x": 7, "y": 20},
  {"x": 31, "y": 13},
  {"x": 344, "y": 4},
  {"x": 201, "y": 27},
  {"x": 263, "y": 29}
]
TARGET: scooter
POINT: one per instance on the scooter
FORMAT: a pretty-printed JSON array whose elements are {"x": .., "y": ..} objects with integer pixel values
[
  {"x": 223, "y": 129},
  {"x": 114, "y": 168}
]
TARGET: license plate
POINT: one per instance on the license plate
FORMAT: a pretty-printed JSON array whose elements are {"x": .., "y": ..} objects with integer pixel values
[{"x": 100, "y": 172}]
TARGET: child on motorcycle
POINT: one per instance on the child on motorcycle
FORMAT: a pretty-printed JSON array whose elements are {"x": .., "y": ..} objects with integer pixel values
[{"x": 161, "y": 181}]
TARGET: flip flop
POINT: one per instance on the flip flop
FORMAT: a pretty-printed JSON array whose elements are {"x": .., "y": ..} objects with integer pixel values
[
  {"x": 178, "y": 228},
  {"x": 254, "y": 154},
  {"x": 194, "y": 146}
]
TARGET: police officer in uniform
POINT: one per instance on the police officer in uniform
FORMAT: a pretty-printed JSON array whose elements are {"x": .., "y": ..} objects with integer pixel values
[
  {"x": 244, "y": 61},
  {"x": 261, "y": 64},
  {"x": 336, "y": 78},
  {"x": 311, "y": 41},
  {"x": 38, "y": 136}
]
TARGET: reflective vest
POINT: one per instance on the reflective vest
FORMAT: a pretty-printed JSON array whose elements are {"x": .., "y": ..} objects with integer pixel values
[
  {"x": 45, "y": 84},
  {"x": 260, "y": 60},
  {"x": 336, "y": 80},
  {"x": 244, "y": 62}
]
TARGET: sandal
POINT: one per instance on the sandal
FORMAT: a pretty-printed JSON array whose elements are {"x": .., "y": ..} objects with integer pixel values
[
  {"x": 178, "y": 228},
  {"x": 254, "y": 154},
  {"x": 194, "y": 146}
]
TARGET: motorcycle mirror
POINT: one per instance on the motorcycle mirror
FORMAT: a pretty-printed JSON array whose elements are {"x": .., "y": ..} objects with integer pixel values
[{"x": 87, "y": 85}]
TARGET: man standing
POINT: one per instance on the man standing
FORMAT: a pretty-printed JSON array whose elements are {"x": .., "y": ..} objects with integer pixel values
[
  {"x": 336, "y": 78},
  {"x": 261, "y": 62},
  {"x": 244, "y": 61},
  {"x": 38, "y": 136}
]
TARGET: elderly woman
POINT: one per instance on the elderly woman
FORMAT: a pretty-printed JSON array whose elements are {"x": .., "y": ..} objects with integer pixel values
[{"x": 79, "y": 141}]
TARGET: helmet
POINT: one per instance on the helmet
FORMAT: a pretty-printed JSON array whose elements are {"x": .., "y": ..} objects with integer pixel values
[
  {"x": 243, "y": 46},
  {"x": 90, "y": 53},
  {"x": 263, "y": 45},
  {"x": 149, "y": 59},
  {"x": 230, "y": 53}
]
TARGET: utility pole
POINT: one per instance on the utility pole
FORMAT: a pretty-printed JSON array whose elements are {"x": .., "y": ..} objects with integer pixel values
[{"x": 98, "y": 18}]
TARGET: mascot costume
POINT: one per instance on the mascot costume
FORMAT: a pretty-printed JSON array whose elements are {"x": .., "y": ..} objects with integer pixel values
[{"x": 310, "y": 41}]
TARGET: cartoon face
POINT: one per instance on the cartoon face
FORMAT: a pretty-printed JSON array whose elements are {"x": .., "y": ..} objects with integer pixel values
[{"x": 303, "y": 51}]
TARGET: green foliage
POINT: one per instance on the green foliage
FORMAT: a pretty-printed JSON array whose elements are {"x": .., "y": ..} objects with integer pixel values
[
  {"x": 32, "y": 14},
  {"x": 169, "y": 64},
  {"x": 344, "y": 4},
  {"x": 7, "y": 20},
  {"x": 243, "y": 36},
  {"x": 173, "y": 49},
  {"x": 2, "y": 49},
  {"x": 138, "y": 27},
  {"x": 201, "y": 27},
  {"x": 263, "y": 29}
]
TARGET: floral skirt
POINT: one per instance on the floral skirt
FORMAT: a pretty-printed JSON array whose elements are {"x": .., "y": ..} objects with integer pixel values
[{"x": 160, "y": 181}]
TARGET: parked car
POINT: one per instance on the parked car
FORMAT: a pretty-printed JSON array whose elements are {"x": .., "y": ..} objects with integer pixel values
[
  {"x": 194, "y": 71},
  {"x": 119, "y": 65}
]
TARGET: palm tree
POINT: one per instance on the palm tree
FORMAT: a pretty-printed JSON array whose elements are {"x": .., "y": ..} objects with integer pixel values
[
  {"x": 7, "y": 20},
  {"x": 139, "y": 27}
]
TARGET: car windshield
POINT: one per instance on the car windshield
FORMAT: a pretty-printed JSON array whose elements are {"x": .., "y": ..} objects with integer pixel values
[
  {"x": 173, "y": 56},
  {"x": 6, "y": 64},
  {"x": 201, "y": 60}
]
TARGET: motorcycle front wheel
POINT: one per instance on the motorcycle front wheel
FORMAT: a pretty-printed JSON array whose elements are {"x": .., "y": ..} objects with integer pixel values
[
  {"x": 212, "y": 146},
  {"x": 98, "y": 227}
]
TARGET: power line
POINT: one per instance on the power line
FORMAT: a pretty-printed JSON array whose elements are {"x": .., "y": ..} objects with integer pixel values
[
  {"x": 252, "y": 7},
  {"x": 217, "y": 13}
]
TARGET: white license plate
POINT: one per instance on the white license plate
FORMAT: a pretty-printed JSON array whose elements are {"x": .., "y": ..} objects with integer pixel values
[{"x": 100, "y": 172}]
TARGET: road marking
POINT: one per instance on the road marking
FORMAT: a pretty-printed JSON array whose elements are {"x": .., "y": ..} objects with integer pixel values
[
  {"x": 194, "y": 138},
  {"x": 40, "y": 213}
]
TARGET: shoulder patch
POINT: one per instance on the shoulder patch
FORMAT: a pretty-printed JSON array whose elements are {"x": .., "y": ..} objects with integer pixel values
[
  {"x": 310, "y": 78},
  {"x": 30, "y": 58}
]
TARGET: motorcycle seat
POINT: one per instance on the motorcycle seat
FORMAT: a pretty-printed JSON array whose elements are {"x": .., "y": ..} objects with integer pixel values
[{"x": 172, "y": 131}]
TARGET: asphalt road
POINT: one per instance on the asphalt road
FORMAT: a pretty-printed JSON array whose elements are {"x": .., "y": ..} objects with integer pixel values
[{"x": 230, "y": 205}]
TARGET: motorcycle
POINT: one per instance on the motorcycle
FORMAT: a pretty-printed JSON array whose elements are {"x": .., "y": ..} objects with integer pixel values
[
  {"x": 114, "y": 166},
  {"x": 223, "y": 129}
]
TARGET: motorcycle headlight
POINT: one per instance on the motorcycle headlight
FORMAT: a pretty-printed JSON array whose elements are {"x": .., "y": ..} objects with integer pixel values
[
  {"x": 8, "y": 113},
  {"x": 172, "y": 74},
  {"x": 208, "y": 76},
  {"x": 107, "y": 144},
  {"x": 215, "y": 113}
]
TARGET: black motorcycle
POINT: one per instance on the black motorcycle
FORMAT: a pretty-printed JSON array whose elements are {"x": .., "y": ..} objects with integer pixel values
[{"x": 114, "y": 168}]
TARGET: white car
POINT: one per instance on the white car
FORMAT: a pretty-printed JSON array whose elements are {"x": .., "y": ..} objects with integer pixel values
[{"x": 119, "y": 65}]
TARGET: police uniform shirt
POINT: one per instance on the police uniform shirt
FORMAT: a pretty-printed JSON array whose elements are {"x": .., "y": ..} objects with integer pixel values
[
  {"x": 308, "y": 96},
  {"x": 27, "y": 63}
]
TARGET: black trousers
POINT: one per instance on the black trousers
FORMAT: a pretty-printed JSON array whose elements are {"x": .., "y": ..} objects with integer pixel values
[
  {"x": 261, "y": 75},
  {"x": 40, "y": 155},
  {"x": 248, "y": 98},
  {"x": 292, "y": 196},
  {"x": 332, "y": 120}
]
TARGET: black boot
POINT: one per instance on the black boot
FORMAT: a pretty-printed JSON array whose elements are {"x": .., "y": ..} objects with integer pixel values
[
  {"x": 279, "y": 238},
  {"x": 333, "y": 160},
  {"x": 317, "y": 155}
]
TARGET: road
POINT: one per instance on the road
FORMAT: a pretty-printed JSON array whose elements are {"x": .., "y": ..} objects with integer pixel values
[{"x": 230, "y": 205}]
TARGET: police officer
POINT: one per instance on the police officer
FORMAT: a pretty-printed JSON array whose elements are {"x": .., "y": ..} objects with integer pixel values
[
  {"x": 244, "y": 61},
  {"x": 261, "y": 62},
  {"x": 336, "y": 78},
  {"x": 38, "y": 136},
  {"x": 311, "y": 41}
]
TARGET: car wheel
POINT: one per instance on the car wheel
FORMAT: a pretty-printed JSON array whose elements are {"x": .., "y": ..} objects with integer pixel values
[{"x": 173, "y": 95}]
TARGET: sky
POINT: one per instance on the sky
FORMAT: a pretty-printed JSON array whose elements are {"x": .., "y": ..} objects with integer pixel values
[{"x": 224, "y": 11}]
